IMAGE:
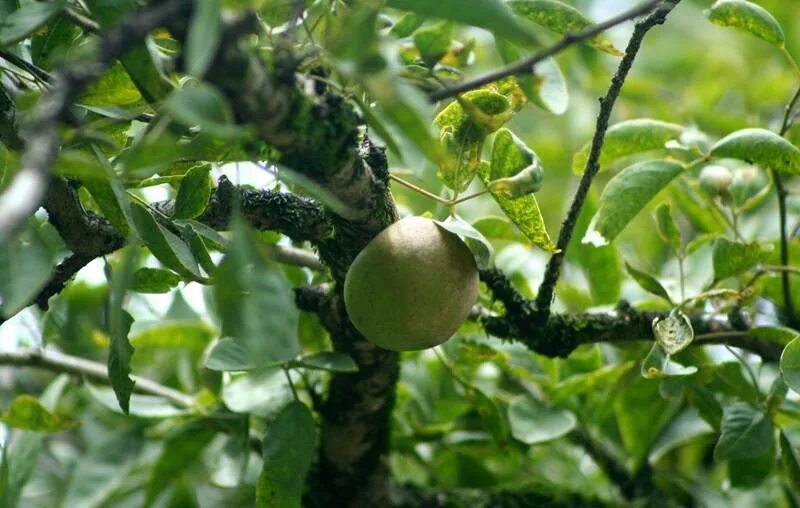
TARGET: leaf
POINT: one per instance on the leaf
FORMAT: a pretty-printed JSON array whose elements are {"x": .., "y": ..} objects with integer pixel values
[
  {"x": 179, "y": 454},
  {"x": 199, "y": 249},
  {"x": 648, "y": 282},
  {"x": 479, "y": 246},
  {"x": 433, "y": 42},
  {"x": 509, "y": 156},
  {"x": 790, "y": 364},
  {"x": 625, "y": 196},
  {"x": 748, "y": 17},
  {"x": 628, "y": 138},
  {"x": 194, "y": 192},
  {"x": 657, "y": 365},
  {"x": 327, "y": 360},
  {"x": 667, "y": 228},
  {"x": 149, "y": 80},
  {"x": 497, "y": 228},
  {"x": 562, "y": 19},
  {"x": 202, "y": 37},
  {"x": 674, "y": 332},
  {"x": 203, "y": 106},
  {"x": 288, "y": 450},
  {"x": 546, "y": 87},
  {"x": 180, "y": 334},
  {"x": 406, "y": 25},
  {"x": 26, "y": 263},
  {"x": 532, "y": 421},
  {"x": 256, "y": 306},
  {"x": 26, "y": 412},
  {"x": 777, "y": 334},
  {"x": 154, "y": 280},
  {"x": 142, "y": 406},
  {"x": 733, "y": 258},
  {"x": 746, "y": 433},
  {"x": 493, "y": 15},
  {"x": 490, "y": 415},
  {"x": 165, "y": 245},
  {"x": 790, "y": 462},
  {"x": 27, "y": 19},
  {"x": 113, "y": 88},
  {"x": 120, "y": 350},
  {"x": 759, "y": 146}
]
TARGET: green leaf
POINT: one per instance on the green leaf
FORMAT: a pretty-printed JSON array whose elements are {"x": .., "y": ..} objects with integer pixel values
[
  {"x": 194, "y": 192},
  {"x": 199, "y": 248},
  {"x": 120, "y": 350},
  {"x": 180, "y": 453},
  {"x": 759, "y": 146},
  {"x": 532, "y": 421},
  {"x": 164, "y": 244},
  {"x": 625, "y": 196},
  {"x": 777, "y": 334},
  {"x": 656, "y": 365},
  {"x": 790, "y": 461},
  {"x": 113, "y": 88},
  {"x": 288, "y": 450},
  {"x": 790, "y": 364},
  {"x": 748, "y": 17},
  {"x": 26, "y": 263},
  {"x": 140, "y": 65},
  {"x": 202, "y": 37},
  {"x": 203, "y": 106},
  {"x": 327, "y": 360},
  {"x": 750, "y": 473},
  {"x": 562, "y": 19},
  {"x": 746, "y": 433},
  {"x": 406, "y": 25},
  {"x": 733, "y": 258},
  {"x": 648, "y": 282},
  {"x": 479, "y": 246},
  {"x": 27, "y": 19},
  {"x": 497, "y": 228},
  {"x": 490, "y": 415},
  {"x": 256, "y": 306},
  {"x": 493, "y": 15},
  {"x": 628, "y": 138},
  {"x": 433, "y": 42},
  {"x": 667, "y": 228},
  {"x": 154, "y": 280},
  {"x": 180, "y": 334},
  {"x": 26, "y": 412},
  {"x": 509, "y": 156},
  {"x": 674, "y": 332},
  {"x": 142, "y": 406},
  {"x": 546, "y": 88}
]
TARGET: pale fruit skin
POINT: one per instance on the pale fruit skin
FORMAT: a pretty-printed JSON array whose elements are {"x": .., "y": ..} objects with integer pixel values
[
  {"x": 412, "y": 286},
  {"x": 715, "y": 179}
]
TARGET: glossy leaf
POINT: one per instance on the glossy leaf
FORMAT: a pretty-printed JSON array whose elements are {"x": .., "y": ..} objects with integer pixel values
[
  {"x": 628, "y": 138},
  {"x": 746, "y": 433},
  {"x": 759, "y": 146},
  {"x": 562, "y": 19},
  {"x": 493, "y": 15},
  {"x": 26, "y": 412},
  {"x": 625, "y": 196},
  {"x": 194, "y": 192},
  {"x": 748, "y": 17},
  {"x": 509, "y": 156},
  {"x": 790, "y": 364},
  {"x": 288, "y": 450},
  {"x": 164, "y": 244},
  {"x": 532, "y": 421},
  {"x": 479, "y": 246},
  {"x": 154, "y": 280},
  {"x": 648, "y": 282},
  {"x": 734, "y": 258}
]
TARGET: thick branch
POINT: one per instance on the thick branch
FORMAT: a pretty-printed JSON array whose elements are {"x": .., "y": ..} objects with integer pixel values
[
  {"x": 527, "y": 65},
  {"x": 544, "y": 297}
]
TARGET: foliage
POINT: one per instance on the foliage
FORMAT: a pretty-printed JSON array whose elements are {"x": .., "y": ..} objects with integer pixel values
[{"x": 173, "y": 330}]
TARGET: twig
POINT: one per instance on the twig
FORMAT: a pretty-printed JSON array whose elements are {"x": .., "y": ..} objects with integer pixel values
[
  {"x": 36, "y": 72},
  {"x": 547, "y": 288},
  {"x": 526, "y": 66},
  {"x": 59, "y": 362},
  {"x": 24, "y": 194}
]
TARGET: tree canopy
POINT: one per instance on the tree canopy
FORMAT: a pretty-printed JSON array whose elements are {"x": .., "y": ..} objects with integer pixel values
[{"x": 184, "y": 186}]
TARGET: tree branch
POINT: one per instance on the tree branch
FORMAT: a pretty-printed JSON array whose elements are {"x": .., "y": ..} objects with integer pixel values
[
  {"x": 59, "y": 362},
  {"x": 544, "y": 297},
  {"x": 26, "y": 191},
  {"x": 527, "y": 65}
]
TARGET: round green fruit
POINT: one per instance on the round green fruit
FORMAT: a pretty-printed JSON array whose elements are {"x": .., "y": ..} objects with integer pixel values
[{"x": 412, "y": 286}]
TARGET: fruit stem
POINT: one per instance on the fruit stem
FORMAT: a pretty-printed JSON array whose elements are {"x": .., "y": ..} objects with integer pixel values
[{"x": 450, "y": 203}]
